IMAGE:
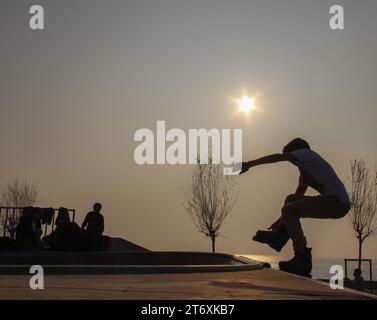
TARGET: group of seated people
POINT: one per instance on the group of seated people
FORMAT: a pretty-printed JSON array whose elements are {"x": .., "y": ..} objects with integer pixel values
[{"x": 67, "y": 235}]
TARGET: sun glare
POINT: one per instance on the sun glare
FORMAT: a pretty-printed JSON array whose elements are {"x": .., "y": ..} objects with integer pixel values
[{"x": 246, "y": 104}]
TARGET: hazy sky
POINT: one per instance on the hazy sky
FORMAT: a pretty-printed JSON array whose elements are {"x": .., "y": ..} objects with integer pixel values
[{"x": 73, "y": 95}]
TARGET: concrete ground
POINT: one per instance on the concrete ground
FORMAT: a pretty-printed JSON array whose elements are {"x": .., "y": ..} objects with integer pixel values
[{"x": 256, "y": 284}]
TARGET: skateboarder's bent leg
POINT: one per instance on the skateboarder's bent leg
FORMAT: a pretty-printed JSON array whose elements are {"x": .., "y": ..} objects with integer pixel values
[
  {"x": 319, "y": 207},
  {"x": 278, "y": 236},
  {"x": 292, "y": 198}
]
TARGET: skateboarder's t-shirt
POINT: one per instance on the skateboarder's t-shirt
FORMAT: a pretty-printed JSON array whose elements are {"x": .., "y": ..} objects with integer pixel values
[{"x": 318, "y": 174}]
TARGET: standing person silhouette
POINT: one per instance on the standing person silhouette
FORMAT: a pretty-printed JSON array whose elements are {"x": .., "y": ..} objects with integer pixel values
[
  {"x": 94, "y": 225},
  {"x": 332, "y": 203}
]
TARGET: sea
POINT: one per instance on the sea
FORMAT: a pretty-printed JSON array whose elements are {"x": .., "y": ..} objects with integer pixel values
[{"x": 321, "y": 266}]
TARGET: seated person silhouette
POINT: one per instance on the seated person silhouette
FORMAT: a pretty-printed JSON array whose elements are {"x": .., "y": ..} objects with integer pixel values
[
  {"x": 332, "y": 203},
  {"x": 93, "y": 226},
  {"x": 358, "y": 282},
  {"x": 36, "y": 214},
  {"x": 67, "y": 236}
]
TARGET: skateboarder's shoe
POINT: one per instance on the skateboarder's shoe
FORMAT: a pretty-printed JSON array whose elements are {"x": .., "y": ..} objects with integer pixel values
[
  {"x": 276, "y": 239},
  {"x": 300, "y": 264}
]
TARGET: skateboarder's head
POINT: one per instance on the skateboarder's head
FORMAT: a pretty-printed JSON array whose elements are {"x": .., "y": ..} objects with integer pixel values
[
  {"x": 296, "y": 144},
  {"x": 97, "y": 207}
]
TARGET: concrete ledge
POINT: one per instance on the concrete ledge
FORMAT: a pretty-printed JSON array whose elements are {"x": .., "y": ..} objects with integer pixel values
[{"x": 123, "y": 262}]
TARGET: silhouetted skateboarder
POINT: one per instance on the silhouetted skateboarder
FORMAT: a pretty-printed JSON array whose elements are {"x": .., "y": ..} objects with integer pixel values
[{"x": 332, "y": 203}]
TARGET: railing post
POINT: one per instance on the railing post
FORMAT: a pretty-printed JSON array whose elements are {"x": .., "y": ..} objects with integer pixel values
[
  {"x": 371, "y": 276},
  {"x": 53, "y": 221},
  {"x": 3, "y": 222}
]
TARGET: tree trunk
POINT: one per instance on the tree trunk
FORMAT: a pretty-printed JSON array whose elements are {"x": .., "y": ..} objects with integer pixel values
[
  {"x": 360, "y": 251},
  {"x": 213, "y": 239}
]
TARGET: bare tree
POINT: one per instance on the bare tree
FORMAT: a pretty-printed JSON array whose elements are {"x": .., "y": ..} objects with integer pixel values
[
  {"x": 16, "y": 194},
  {"x": 209, "y": 198},
  {"x": 363, "y": 196}
]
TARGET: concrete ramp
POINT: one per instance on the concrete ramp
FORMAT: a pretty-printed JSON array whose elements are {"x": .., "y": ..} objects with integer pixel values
[
  {"x": 123, "y": 262},
  {"x": 119, "y": 244}
]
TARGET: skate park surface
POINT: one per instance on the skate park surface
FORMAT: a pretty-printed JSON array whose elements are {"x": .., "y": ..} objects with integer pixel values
[
  {"x": 262, "y": 284},
  {"x": 175, "y": 275}
]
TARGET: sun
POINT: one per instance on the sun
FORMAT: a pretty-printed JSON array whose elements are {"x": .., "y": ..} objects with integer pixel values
[{"x": 246, "y": 104}]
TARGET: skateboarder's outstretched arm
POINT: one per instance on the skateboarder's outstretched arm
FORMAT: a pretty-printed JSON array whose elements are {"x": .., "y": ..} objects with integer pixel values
[{"x": 272, "y": 158}]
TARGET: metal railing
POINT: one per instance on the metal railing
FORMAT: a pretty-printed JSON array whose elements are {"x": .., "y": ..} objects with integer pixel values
[{"x": 14, "y": 213}]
